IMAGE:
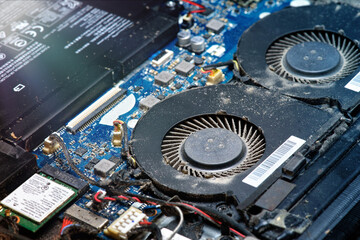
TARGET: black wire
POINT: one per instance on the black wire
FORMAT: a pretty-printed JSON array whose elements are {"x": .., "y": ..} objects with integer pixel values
[
  {"x": 220, "y": 64},
  {"x": 225, "y": 219},
  {"x": 79, "y": 230},
  {"x": 153, "y": 228}
]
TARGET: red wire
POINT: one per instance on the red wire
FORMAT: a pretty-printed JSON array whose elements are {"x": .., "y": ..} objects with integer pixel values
[
  {"x": 197, "y": 11},
  {"x": 136, "y": 199},
  {"x": 123, "y": 197},
  {"x": 145, "y": 222},
  {"x": 66, "y": 221},
  {"x": 207, "y": 71},
  {"x": 96, "y": 197},
  {"x": 109, "y": 198},
  {"x": 193, "y": 3}
]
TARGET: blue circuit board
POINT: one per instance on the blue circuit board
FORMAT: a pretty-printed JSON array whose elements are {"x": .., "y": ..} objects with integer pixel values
[{"x": 95, "y": 137}]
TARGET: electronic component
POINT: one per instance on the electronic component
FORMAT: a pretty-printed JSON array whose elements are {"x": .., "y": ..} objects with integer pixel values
[
  {"x": 36, "y": 201},
  {"x": 206, "y": 35},
  {"x": 197, "y": 44},
  {"x": 137, "y": 88},
  {"x": 245, "y": 3},
  {"x": 92, "y": 163},
  {"x": 183, "y": 38},
  {"x": 77, "y": 183},
  {"x": 95, "y": 108},
  {"x": 148, "y": 102},
  {"x": 161, "y": 97},
  {"x": 164, "y": 78},
  {"x": 188, "y": 58},
  {"x": 114, "y": 159},
  {"x": 178, "y": 85},
  {"x": 184, "y": 68},
  {"x": 198, "y": 61},
  {"x": 86, "y": 217},
  {"x": 187, "y": 21},
  {"x": 207, "y": 12},
  {"x": 198, "y": 76},
  {"x": 125, "y": 223},
  {"x": 80, "y": 151},
  {"x": 50, "y": 146},
  {"x": 104, "y": 167},
  {"x": 216, "y": 50},
  {"x": 117, "y": 134},
  {"x": 163, "y": 57},
  {"x": 215, "y": 25},
  {"x": 215, "y": 77}
]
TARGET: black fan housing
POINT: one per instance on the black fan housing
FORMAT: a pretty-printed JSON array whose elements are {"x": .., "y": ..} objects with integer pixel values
[
  {"x": 308, "y": 52},
  {"x": 201, "y": 143}
]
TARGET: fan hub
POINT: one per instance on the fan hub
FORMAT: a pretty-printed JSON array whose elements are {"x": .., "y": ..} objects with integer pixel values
[
  {"x": 213, "y": 148},
  {"x": 312, "y": 59}
]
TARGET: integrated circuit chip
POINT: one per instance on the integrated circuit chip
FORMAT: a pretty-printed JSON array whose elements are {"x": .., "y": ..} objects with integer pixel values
[
  {"x": 164, "y": 78},
  {"x": 215, "y": 25},
  {"x": 114, "y": 159},
  {"x": 104, "y": 167},
  {"x": 148, "y": 102},
  {"x": 80, "y": 151},
  {"x": 184, "y": 68}
]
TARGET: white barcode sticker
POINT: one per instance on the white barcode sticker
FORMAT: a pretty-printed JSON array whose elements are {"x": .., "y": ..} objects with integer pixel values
[
  {"x": 274, "y": 161},
  {"x": 354, "y": 83}
]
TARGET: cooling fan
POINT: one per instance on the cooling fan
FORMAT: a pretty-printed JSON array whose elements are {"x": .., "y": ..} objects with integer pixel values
[
  {"x": 308, "y": 52},
  {"x": 200, "y": 144}
]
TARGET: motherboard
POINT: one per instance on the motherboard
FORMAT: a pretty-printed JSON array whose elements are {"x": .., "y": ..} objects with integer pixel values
[{"x": 229, "y": 119}]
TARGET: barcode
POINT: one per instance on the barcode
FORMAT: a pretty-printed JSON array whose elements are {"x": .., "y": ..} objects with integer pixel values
[
  {"x": 274, "y": 161},
  {"x": 354, "y": 83}
]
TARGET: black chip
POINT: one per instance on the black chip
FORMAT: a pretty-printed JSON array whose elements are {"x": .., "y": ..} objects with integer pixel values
[
  {"x": 94, "y": 161},
  {"x": 89, "y": 166},
  {"x": 188, "y": 58},
  {"x": 178, "y": 85},
  {"x": 80, "y": 151},
  {"x": 207, "y": 12},
  {"x": 198, "y": 60},
  {"x": 137, "y": 88},
  {"x": 198, "y": 76},
  {"x": 206, "y": 36},
  {"x": 161, "y": 97},
  {"x": 114, "y": 159}
]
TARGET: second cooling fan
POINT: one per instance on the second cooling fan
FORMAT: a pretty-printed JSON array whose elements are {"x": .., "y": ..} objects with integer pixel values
[
  {"x": 203, "y": 143},
  {"x": 307, "y": 52}
]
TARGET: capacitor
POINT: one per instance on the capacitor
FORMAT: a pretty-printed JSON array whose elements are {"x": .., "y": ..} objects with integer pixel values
[
  {"x": 197, "y": 44},
  {"x": 184, "y": 38}
]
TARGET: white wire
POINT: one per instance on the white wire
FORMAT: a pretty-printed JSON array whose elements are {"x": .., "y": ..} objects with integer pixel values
[{"x": 179, "y": 224}]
